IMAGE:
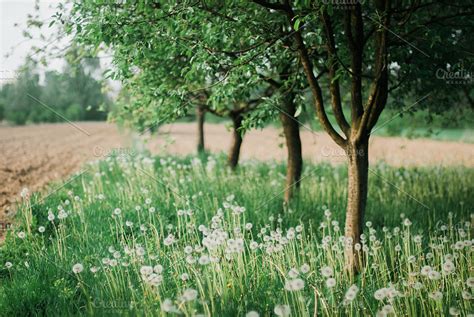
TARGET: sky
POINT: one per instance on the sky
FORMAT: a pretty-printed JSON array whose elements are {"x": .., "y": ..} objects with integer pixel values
[
  {"x": 17, "y": 47},
  {"x": 12, "y": 41}
]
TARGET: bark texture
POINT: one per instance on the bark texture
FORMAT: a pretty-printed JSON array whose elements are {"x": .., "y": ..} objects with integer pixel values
[
  {"x": 200, "y": 117},
  {"x": 291, "y": 130},
  {"x": 234, "y": 151},
  {"x": 358, "y": 166}
]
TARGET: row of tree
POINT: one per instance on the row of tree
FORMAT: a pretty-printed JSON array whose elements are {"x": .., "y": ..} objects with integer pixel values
[
  {"x": 73, "y": 94},
  {"x": 252, "y": 61}
]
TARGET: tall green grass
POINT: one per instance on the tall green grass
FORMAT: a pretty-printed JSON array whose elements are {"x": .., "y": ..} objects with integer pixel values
[{"x": 134, "y": 235}]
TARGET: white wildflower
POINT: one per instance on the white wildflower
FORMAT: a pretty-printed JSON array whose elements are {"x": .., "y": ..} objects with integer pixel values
[
  {"x": 304, "y": 268},
  {"x": 282, "y": 310},
  {"x": 331, "y": 282},
  {"x": 189, "y": 295},
  {"x": 327, "y": 271},
  {"x": 296, "y": 284},
  {"x": 77, "y": 268},
  {"x": 436, "y": 295}
]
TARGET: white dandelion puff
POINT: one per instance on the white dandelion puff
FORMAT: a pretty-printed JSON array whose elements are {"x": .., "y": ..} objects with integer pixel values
[
  {"x": 293, "y": 273},
  {"x": 282, "y": 310},
  {"x": 189, "y": 295},
  {"x": 470, "y": 282},
  {"x": 146, "y": 270},
  {"x": 158, "y": 269},
  {"x": 252, "y": 314},
  {"x": 77, "y": 268},
  {"x": 434, "y": 275},
  {"x": 436, "y": 295},
  {"x": 453, "y": 311},
  {"x": 330, "y": 282},
  {"x": 296, "y": 284},
  {"x": 304, "y": 268},
  {"x": 448, "y": 267},
  {"x": 327, "y": 271}
]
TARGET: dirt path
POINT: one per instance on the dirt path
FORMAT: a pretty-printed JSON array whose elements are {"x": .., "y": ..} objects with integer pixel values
[{"x": 32, "y": 156}]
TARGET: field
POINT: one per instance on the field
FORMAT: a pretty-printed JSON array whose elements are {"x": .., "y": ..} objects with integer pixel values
[
  {"x": 34, "y": 155},
  {"x": 134, "y": 234},
  {"x": 237, "y": 158}
]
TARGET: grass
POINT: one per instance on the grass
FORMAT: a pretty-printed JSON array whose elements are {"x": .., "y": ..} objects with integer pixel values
[{"x": 156, "y": 236}]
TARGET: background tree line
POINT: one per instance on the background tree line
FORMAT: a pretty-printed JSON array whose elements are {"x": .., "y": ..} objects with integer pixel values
[{"x": 73, "y": 94}]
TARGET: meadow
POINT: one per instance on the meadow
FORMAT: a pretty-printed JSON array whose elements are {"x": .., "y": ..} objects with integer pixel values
[{"x": 140, "y": 235}]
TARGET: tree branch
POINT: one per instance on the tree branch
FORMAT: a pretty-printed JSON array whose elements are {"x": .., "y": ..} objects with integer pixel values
[
  {"x": 378, "y": 97},
  {"x": 314, "y": 84},
  {"x": 273, "y": 6},
  {"x": 334, "y": 81},
  {"x": 355, "y": 37}
]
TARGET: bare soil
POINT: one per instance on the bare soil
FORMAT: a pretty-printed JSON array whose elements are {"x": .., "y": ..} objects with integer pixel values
[{"x": 32, "y": 156}]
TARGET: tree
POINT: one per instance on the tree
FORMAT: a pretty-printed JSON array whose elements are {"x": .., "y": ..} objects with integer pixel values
[
  {"x": 18, "y": 105},
  {"x": 25, "y": 97},
  {"x": 360, "y": 44},
  {"x": 376, "y": 51},
  {"x": 200, "y": 118},
  {"x": 185, "y": 64}
]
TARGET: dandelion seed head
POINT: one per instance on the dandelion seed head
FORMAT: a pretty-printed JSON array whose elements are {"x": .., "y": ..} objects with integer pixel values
[
  {"x": 331, "y": 282},
  {"x": 434, "y": 275},
  {"x": 282, "y": 310},
  {"x": 327, "y": 271},
  {"x": 252, "y": 314},
  {"x": 454, "y": 311},
  {"x": 436, "y": 295},
  {"x": 24, "y": 193},
  {"x": 167, "y": 306},
  {"x": 146, "y": 270},
  {"x": 293, "y": 273},
  {"x": 189, "y": 295},
  {"x": 184, "y": 276},
  {"x": 296, "y": 284},
  {"x": 304, "y": 268},
  {"x": 470, "y": 282},
  {"x": 448, "y": 267},
  {"x": 77, "y": 268}
]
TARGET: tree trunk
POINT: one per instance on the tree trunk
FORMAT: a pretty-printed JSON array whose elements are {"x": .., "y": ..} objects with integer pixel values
[
  {"x": 291, "y": 130},
  {"x": 200, "y": 116},
  {"x": 358, "y": 156},
  {"x": 234, "y": 151}
]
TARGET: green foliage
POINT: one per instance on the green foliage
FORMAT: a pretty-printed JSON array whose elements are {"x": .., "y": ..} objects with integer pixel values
[{"x": 173, "y": 55}]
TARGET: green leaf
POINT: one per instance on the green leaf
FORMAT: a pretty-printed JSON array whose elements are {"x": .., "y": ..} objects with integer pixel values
[{"x": 297, "y": 24}]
